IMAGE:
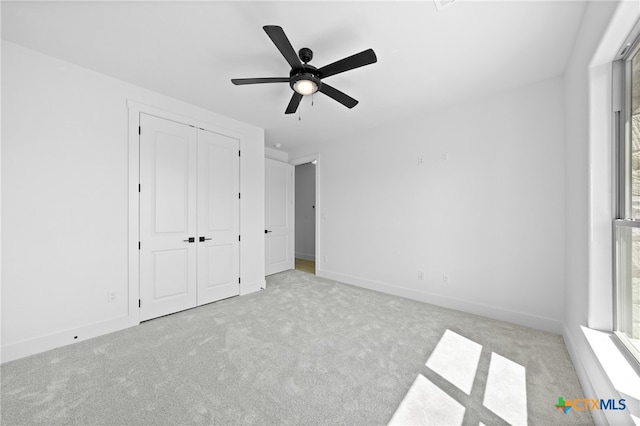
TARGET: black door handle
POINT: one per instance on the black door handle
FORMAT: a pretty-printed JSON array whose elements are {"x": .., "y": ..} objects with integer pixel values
[
  {"x": 190, "y": 240},
  {"x": 204, "y": 239},
  {"x": 266, "y": 232}
]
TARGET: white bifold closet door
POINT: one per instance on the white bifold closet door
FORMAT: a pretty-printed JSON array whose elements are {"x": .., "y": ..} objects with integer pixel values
[{"x": 189, "y": 217}]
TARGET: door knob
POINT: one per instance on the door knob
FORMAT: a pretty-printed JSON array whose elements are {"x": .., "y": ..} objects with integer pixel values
[
  {"x": 190, "y": 240},
  {"x": 204, "y": 239},
  {"x": 266, "y": 232}
]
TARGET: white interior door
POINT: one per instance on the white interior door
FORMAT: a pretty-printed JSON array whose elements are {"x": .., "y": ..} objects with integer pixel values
[
  {"x": 167, "y": 217},
  {"x": 218, "y": 217},
  {"x": 279, "y": 208}
]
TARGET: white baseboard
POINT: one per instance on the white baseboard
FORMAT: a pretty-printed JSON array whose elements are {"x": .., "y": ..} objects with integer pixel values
[
  {"x": 252, "y": 287},
  {"x": 305, "y": 256},
  {"x": 68, "y": 337},
  {"x": 56, "y": 340},
  {"x": 583, "y": 375},
  {"x": 527, "y": 320}
]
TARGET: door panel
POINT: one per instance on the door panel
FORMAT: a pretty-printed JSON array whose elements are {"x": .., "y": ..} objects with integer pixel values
[
  {"x": 278, "y": 248},
  {"x": 278, "y": 196},
  {"x": 168, "y": 273},
  {"x": 222, "y": 193},
  {"x": 279, "y": 242},
  {"x": 218, "y": 217},
  {"x": 171, "y": 185},
  {"x": 220, "y": 262},
  {"x": 167, "y": 217}
]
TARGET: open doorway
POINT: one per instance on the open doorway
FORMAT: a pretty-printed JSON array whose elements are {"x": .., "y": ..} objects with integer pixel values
[{"x": 305, "y": 217}]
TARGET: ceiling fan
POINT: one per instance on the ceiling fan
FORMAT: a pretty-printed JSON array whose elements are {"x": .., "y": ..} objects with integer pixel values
[{"x": 306, "y": 79}]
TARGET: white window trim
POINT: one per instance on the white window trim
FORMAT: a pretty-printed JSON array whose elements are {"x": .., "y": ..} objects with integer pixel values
[{"x": 614, "y": 362}]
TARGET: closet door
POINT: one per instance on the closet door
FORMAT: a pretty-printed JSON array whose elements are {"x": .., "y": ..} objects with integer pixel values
[
  {"x": 218, "y": 217},
  {"x": 167, "y": 217}
]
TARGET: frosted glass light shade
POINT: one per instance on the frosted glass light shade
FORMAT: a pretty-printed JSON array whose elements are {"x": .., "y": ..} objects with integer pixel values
[{"x": 305, "y": 87}]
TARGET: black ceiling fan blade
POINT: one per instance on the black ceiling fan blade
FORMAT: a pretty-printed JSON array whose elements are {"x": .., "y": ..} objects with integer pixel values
[
  {"x": 334, "y": 93},
  {"x": 293, "y": 103},
  {"x": 279, "y": 38},
  {"x": 358, "y": 60},
  {"x": 241, "y": 81}
]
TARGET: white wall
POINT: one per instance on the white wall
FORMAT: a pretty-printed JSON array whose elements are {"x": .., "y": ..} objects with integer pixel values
[
  {"x": 65, "y": 200},
  {"x": 485, "y": 207},
  {"x": 305, "y": 183}
]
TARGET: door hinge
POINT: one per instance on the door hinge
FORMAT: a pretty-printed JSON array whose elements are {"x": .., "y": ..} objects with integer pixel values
[
  {"x": 139, "y": 303},
  {"x": 238, "y": 195},
  {"x": 139, "y": 186},
  {"x": 239, "y": 153},
  {"x": 139, "y": 245},
  {"x": 238, "y": 237},
  {"x": 139, "y": 130},
  {"x": 238, "y": 280}
]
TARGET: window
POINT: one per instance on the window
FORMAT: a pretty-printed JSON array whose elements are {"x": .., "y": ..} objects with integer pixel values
[{"x": 626, "y": 124}]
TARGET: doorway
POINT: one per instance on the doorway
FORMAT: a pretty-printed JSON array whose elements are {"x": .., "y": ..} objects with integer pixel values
[{"x": 305, "y": 217}]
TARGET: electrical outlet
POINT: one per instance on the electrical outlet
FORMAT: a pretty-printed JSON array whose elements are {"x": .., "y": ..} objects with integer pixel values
[
  {"x": 420, "y": 275},
  {"x": 420, "y": 160},
  {"x": 445, "y": 156},
  {"x": 445, "y": 279},
  {"x": 112, "y": 296},
  {"x": 325, "y": 259}
]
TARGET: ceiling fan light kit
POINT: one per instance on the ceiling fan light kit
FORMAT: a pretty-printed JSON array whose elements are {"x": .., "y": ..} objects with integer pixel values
[
  {"x": 305, "y": 83},
  {"x": 305, "y": 79}
]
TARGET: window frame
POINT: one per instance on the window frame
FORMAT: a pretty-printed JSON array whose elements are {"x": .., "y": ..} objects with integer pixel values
[{"x": 622, "y": 172}]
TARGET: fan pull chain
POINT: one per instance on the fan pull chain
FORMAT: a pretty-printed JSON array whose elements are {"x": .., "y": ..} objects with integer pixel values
[{"x": 312, "y": 99}]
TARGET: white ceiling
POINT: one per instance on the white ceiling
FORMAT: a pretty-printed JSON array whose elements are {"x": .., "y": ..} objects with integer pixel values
[{"x": 190, "y": 51}]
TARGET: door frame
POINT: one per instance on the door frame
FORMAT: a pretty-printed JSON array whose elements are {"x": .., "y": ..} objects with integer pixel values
[
  {"x": 320, "y": 215},
  {"x": 133, "y": 238}
]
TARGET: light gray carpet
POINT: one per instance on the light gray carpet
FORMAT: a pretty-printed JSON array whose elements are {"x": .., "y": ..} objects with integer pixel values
[{"x": 305, "y": 351}]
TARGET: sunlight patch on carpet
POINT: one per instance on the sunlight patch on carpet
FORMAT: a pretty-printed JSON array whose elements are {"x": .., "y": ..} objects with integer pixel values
[
  {"x": 455, "y": 359},
  {"x": 427, "y": 404},
  {"x": 506, "y": 390}
]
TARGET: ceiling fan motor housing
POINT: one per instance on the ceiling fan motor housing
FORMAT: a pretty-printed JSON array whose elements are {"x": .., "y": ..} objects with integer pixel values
[{"x": 305, "y": 54}]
